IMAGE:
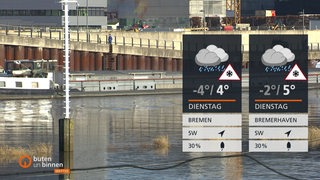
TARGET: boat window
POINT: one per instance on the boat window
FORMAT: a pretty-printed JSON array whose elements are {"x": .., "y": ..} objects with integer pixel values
[
  {"x": 18, "y": 84},
  {"x": 35, "y": 85},
  {"x": 2, "y": 84}
]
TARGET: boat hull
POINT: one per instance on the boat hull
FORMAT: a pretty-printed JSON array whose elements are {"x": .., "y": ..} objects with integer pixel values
[{"x": 25, "y": 92}]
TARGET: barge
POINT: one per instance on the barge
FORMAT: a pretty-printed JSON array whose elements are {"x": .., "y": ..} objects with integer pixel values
[{"x": 30, "y": 77}]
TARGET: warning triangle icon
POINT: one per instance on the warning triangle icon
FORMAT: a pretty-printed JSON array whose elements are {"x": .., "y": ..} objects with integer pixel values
[
  {"x": 296, "y": 74},
  {"x": 229, "y": 74}
]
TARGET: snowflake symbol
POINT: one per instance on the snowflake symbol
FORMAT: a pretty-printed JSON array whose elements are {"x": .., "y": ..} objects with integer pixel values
[
  {"x": 229, "y": 73},
  {"x": 295, "y": 73}
]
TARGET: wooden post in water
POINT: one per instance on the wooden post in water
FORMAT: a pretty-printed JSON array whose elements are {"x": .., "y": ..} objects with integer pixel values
[{"x": 66, "y": 132}]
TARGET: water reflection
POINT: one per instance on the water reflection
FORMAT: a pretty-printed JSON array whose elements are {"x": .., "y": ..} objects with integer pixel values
[
  {"x": 126, "y": 128},
  {"x": 234, "y": 165},
  {"x": 25, "y": 121},
  {"x": 121, "y": 130}
]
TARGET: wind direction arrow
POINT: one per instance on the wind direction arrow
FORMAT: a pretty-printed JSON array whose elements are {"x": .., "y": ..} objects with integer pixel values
[
  {"x": 288, "y": 133},
  {"x": 221, "y": 133}
]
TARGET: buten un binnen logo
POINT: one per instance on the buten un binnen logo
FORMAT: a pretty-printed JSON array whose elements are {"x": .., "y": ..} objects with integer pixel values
[{"x": 25, "y": 161}]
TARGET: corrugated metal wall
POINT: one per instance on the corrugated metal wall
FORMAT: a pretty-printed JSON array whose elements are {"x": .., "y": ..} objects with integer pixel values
[{"x": 215, "y": 8}]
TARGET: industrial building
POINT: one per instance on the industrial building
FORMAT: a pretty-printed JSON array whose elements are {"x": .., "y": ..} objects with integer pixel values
[
  {"x": 160, "y": 14},
  {"x": 183, "y": 13},
  {"x": 248, "y": 7},
  {"x": 85, "y": 13},
  {"x": 166, "y": 13},
  {"x": 296, "y": 7}
]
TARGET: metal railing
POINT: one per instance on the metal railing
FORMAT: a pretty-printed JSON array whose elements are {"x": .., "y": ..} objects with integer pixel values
[
  {"x": 89, "y": 37},
  {"x": 101, "y": 37}
]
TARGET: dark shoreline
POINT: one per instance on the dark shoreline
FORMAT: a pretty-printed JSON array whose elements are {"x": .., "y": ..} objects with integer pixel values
[
  {"x": 107, "y": 94},
  {"x": 92, "y": 94}
]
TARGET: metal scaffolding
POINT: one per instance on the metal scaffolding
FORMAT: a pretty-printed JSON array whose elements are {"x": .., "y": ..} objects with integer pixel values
[{"x": 233, "y": 8}]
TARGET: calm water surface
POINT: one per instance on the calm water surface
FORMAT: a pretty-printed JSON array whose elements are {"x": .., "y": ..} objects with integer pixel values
[{"x": 120, "y": 130}]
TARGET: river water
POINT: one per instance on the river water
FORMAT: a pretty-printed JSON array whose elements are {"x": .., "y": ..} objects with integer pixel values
[{"x": 120, "y": 130}]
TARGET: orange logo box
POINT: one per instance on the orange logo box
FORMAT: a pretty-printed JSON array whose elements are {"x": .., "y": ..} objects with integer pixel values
[
  {"x": 25, "y": 161},
  {"x": 61, "y": 171}
]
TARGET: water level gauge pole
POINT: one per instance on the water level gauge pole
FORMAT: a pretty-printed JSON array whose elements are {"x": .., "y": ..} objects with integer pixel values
[
  {"x": 66, "y": 58},
  {"x": 66, "y": 125}
]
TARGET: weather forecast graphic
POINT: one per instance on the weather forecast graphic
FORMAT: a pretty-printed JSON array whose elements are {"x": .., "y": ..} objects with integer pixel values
[
  {"x": 212, "y": 91},
  {"x": 210, "y": 97},
  {"x": 278, "y": 85}
]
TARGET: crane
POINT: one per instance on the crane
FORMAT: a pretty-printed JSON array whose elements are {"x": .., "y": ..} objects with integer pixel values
[{"x": 235, "y": 7}]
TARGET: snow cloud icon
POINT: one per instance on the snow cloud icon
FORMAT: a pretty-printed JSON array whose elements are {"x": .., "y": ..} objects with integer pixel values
[
  {"x": 211, "y": 56},
  {"x": 277, "y": 56}
]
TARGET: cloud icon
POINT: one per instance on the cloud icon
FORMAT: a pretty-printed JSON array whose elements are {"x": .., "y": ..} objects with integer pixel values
[
  {"x": 277, "y": 56},
  {"x": 211, "y": 56}
]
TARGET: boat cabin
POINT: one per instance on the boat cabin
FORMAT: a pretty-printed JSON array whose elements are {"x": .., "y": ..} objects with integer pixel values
[{"x": 29, "y": 68}]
